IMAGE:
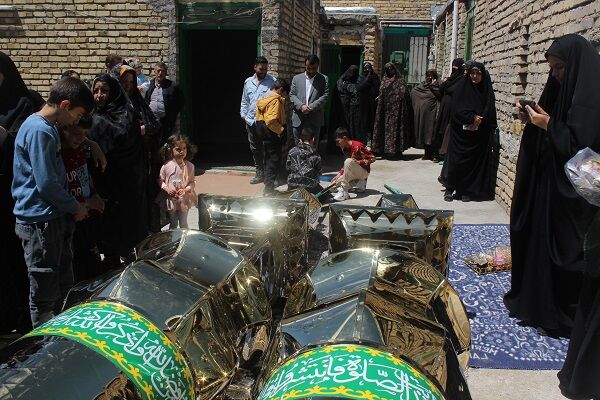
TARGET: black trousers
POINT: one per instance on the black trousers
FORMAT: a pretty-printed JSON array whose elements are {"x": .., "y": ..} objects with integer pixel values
[{"x": 272, "y": 145}]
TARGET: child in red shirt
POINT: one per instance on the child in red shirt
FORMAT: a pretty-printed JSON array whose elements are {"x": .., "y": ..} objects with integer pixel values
[
  {"x": 75, "y": 154},
  {"x": 357, "y": 165}
]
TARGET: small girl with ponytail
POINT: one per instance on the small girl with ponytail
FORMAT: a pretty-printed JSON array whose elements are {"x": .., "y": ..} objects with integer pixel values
[{"x": 177, "y": 179}]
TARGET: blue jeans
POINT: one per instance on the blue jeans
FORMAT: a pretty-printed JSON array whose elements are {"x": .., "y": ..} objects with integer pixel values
[{"x": 48, "y": 248}]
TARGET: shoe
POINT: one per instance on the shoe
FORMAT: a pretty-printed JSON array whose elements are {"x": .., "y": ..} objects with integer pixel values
[
  {"x": 448, "y": 195},
  {"x": 341, "y": 196},
  {"x": 256, "y": 180},
  {"x": 465, "y": 198}
]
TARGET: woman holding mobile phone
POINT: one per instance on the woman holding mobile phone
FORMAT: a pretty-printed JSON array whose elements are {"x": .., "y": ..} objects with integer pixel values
[{"x": 548, "y": 219}]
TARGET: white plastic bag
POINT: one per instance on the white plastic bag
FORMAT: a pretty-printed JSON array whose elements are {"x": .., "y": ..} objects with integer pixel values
[{"x": 583, "y": 170}]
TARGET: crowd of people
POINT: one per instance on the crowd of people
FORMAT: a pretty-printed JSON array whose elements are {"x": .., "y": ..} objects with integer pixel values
[
  {"x": 458, "y": 131},
  {"x": 83, "y": 180},
  {"x": 264, "y": 113}
]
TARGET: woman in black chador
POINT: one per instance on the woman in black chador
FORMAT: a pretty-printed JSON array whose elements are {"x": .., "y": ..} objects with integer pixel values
[
  {"x": 368, "y": 88},
  {"x": 425, "y": 100},
  {"x": 447, "y": 88},
  {"x": 116, "y": 129},
  {"x": 548, "y": 219},
  {"x": 347, "y": 87},
  {"x": 470, "y": 157},
  {"x": 16, "y": 105}
]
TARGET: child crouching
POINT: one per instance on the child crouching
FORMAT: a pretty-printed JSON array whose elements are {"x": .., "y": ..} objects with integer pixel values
[
  {"x": 357, "y": 165},
  {"x": 304, "y": 164}
]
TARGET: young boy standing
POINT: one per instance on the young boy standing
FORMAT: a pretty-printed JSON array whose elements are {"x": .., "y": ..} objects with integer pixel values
[
  {"x": 75, "y": 155},
  {"x": 357, "y": 165},
  {"x": 45, "y": 211},
  {"x": 270, "y": 125},
  {"x": 304, "y": 164}
]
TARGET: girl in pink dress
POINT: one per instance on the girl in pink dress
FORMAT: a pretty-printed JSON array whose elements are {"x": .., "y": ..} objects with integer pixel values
[{"x": 177, "y": 179}]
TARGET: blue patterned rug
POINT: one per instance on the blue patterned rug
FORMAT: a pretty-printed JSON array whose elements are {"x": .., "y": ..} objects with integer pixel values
[{"x": 498, "y": 341}]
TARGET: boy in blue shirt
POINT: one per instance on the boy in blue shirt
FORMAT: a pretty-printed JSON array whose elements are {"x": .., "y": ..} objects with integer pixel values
[{"x": 45, "y": 211}]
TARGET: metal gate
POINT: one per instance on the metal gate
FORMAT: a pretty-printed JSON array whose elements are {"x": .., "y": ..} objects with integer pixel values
[{"x": 408, "y": 48}]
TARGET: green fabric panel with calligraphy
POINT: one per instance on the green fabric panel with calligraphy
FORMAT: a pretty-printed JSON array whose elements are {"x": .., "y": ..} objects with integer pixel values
[
  {"x": 351, "y": 372},
  {"x": 131, "y": 342}
]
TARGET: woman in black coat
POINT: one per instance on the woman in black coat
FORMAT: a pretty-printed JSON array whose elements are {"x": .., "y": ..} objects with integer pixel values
[
  {"x": 16, "y": 105},
  {"x": 116, "y": 129},
  {"x": 548, "y": 219},
  {"x": 446, "y": 90},
  {"x": 470, "y": 169},
  {"x": 368, "y": 88},
  {"x": 347, "y": 87}
]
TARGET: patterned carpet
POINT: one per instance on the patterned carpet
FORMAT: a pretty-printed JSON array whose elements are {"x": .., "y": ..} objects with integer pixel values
[{"x": 498, "y": 341}]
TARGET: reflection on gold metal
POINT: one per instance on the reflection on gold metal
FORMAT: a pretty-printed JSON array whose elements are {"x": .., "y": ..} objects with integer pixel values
[
  {"x": 385, "y": 297},
  {"x": 271, "y": 232},
  {"x": 119, "y": 388},
  {"x": 314, "y": 205},
  {"x": 214, "y": 333},
  {"x": 424, "y": 233},
  {"x": 397, "y": 201}
]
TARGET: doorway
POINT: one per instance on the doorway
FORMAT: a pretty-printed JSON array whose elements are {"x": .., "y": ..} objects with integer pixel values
[
  {"x": 213, "y": 66},
  {"x": 335, "y": 61}
]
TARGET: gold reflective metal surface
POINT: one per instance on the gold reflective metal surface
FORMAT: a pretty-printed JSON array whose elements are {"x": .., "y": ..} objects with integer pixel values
[
  {"x": 314, "y": 205},
  {"x": 214, "y": 333},
  {"x": 271, "y": 232},
  {"x": 384, "y": 286},
  {"x": 397, "y": 201},
  {"x": 424, "y": 233},
  {"x": 385, "y": 297}
]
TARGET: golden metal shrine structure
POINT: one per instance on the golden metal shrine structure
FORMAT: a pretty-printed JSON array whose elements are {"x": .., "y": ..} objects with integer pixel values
[{"x": 236, "y": 311}]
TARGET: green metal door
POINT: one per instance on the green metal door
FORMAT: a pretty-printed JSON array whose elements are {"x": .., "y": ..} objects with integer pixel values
[{"x": 408, "y": 48}]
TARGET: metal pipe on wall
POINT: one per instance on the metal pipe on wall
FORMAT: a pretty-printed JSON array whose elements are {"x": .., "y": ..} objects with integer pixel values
[{"x": 454, "y": 32}]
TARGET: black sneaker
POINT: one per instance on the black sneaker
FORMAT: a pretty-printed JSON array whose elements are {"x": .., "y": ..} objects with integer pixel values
[
  {"x": 465, "y": 198},
  {"x": 448, "y": 195},
  {"x": 256, "y": 180}
]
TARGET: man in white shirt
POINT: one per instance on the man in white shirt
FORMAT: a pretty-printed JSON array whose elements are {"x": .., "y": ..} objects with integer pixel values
[
  {"x": 309, "y": 93},
  {"x": 255, "y": 87}
]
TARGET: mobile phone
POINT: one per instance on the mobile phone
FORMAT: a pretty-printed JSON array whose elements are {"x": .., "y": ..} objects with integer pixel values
[{"x": 529, "y": 103}]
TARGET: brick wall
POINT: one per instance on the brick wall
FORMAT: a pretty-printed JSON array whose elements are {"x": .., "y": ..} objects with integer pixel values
[
  {"x": 511, "y": 37},
  {"x": 290, "y": 31},
  {"x": 390, "y": 9},
  {"x": 46, "y": 37}
]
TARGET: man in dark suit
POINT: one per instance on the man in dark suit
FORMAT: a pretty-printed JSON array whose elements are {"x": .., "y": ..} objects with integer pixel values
[
  {"x": 165, "y": 100},
  {"x": 309, "y": 94}
]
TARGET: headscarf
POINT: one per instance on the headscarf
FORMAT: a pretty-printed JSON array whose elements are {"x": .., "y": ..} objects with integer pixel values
[
  {"x": 115, "y": 118},
  {"x": 351, "y": 74},
  {"x": 475, "y": 99},
  {"x": 396, "y": 79},
  {"x": 573, "y": 104},
  {"x": 15, "y": 102},
  {"x": 145, "y": 115},
  {"x": 454, "y": 76}
]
